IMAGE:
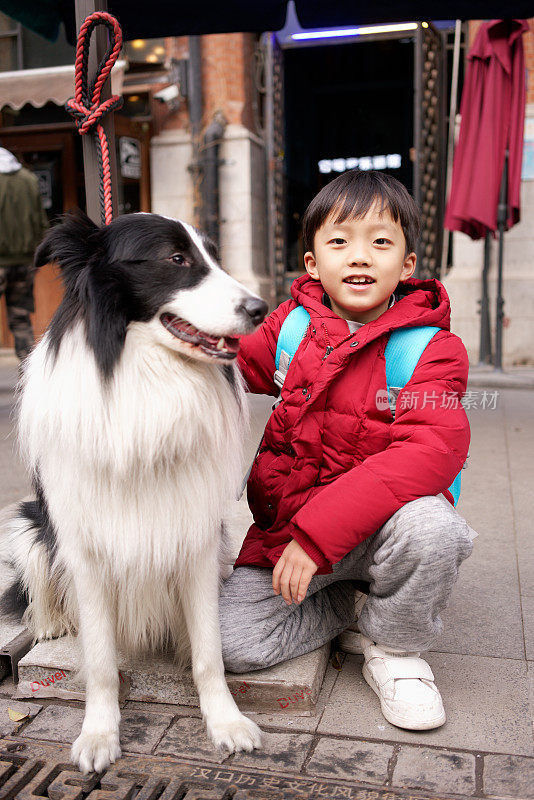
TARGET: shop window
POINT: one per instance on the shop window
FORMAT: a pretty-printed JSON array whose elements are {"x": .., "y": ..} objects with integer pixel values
[{"x": 145, "y": 51}]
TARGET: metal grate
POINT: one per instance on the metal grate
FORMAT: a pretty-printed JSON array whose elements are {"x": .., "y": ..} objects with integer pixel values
[{"x": 42, "y": 770}]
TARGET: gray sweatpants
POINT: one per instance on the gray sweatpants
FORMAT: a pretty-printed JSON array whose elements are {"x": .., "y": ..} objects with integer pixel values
[{"x": 409, "y": 567}]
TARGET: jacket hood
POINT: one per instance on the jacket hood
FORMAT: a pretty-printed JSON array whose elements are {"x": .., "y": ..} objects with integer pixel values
[
  {"x": 418, "y": 302},
  {"x": 8, "y": 162}
]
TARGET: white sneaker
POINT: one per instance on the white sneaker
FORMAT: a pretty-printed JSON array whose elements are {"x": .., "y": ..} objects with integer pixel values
[
  {"x": 348, "y": 640},
  {"x": 405, "y": 686}
]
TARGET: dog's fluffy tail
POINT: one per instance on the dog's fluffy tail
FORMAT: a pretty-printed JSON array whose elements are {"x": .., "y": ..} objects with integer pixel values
[
  {"x": 14, "y": 602},
  {"x": 28, "y": 551},
  {"x": 14, "y": 599}
]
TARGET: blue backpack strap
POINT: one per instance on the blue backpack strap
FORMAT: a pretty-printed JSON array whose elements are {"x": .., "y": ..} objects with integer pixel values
[
  {"x": 456, "y": 487},
  {"x": 289, "y": 338},
  {"x": 403, "y": 350}
]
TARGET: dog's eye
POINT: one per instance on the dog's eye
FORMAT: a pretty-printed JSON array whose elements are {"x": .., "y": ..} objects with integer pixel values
[{"x": 178, "y": 258}]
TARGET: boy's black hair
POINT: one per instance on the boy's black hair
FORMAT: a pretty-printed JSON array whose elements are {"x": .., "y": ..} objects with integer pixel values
[{"x": 352, "y": 194}]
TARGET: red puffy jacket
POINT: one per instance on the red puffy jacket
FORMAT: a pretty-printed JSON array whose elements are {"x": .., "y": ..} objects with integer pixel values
[{"x": 333, "y": 465}]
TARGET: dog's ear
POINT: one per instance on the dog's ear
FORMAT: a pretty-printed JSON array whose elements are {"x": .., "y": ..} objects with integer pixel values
[
  {"x": 71, "y": 244},
  {"x": 106, "y": 322}
]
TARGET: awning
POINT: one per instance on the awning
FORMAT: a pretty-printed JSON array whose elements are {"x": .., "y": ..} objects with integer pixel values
[
  {"x": 40, "y": 86},
  {"x": 140, "y": 20}
]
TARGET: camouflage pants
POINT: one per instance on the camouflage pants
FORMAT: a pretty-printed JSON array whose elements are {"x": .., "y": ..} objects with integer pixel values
[{"x": 16, "y": 282}]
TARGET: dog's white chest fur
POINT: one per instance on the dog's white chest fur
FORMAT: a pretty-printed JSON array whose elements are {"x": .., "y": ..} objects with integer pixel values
[{"x": 137, "y": 470}]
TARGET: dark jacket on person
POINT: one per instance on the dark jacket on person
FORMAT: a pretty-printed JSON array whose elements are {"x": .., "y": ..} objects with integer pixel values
[{"x": 22, "y": 217}]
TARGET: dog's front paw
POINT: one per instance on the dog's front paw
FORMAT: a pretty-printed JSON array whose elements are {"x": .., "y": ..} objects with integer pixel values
[
  {"x": 52, "y": 632},
  {"x": 239, "y": 734},
  {"x": 95, "y": 751}
]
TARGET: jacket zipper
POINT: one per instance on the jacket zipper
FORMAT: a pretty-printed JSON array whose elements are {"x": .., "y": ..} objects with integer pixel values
[{"x": 328, "y": 347}]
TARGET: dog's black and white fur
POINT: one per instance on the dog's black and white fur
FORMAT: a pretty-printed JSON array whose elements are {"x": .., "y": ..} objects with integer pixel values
[{"x": 131, "y": 420}]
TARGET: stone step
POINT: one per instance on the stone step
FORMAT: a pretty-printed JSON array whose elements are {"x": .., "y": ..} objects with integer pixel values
[
  {"x": 15, "y": 640},
  {"x": 49, "y": 670}
]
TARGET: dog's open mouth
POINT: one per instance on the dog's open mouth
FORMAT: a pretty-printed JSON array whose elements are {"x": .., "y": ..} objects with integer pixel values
[{"x": 225, "y": 347}]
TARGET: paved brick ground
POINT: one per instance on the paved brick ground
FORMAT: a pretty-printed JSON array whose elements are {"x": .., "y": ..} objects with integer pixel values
[{"x": 294, "y": 764}]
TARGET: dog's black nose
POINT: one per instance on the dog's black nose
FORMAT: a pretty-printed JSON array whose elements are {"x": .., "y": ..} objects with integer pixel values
[{"x": 255, "y": 308}]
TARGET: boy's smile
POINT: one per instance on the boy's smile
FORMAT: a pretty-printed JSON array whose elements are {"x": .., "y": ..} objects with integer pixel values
[{"x": 360, "y": 262}]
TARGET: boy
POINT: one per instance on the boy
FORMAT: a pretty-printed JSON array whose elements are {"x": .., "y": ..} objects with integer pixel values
[{"x": 342, "y": 494}]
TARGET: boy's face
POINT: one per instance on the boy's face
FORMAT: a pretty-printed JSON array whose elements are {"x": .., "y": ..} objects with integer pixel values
[{"x": 372, "y": 246}]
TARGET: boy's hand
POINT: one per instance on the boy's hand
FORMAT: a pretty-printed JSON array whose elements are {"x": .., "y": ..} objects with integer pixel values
[{"x": 293, "y": 572}]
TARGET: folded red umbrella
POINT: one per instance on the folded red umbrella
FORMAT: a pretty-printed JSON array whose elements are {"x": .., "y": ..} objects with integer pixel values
[{"x": 493, "y": 118}]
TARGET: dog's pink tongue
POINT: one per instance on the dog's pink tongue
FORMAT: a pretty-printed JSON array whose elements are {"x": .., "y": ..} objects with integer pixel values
[{"x": 232, "y": 344}]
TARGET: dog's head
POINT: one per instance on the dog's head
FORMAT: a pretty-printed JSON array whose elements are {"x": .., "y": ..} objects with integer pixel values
[{"x": 151, "y": 269}]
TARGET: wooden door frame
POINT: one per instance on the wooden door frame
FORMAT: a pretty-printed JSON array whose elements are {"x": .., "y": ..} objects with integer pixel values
[{"x": 31, "y": 139}]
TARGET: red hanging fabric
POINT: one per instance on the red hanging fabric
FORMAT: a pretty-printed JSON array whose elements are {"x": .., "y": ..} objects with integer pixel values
[{"x": 493, "y": 117}]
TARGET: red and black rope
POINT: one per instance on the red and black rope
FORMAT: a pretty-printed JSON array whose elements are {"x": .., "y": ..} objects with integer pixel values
[{"x": 86, "y": 107}]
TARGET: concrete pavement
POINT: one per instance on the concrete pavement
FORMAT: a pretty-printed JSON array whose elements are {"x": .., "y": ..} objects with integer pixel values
[{"x": 484, "y": 662}]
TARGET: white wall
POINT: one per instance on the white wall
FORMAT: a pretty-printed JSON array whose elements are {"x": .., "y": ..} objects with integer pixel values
[
  {"x": 171, "y": 182},
  {"x": 243, "y": 209}
]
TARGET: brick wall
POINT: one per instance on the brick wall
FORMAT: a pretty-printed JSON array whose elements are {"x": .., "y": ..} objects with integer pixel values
[
  {"x": 227, "y": 63},
  {"x": 226, "y": 76}
]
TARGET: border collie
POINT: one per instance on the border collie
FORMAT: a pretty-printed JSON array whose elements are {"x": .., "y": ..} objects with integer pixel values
[{"x": 131, "y": 417}]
